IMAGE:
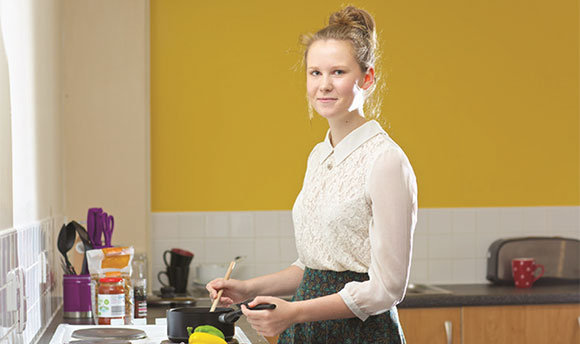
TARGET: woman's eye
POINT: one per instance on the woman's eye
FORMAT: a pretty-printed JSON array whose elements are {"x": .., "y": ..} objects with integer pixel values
[
  {"x": 338, "y": 72},
  {"x": 315, "y": 72}
]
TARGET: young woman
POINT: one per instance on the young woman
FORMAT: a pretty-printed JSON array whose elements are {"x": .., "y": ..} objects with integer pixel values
[{"x": 355, "y": 215}]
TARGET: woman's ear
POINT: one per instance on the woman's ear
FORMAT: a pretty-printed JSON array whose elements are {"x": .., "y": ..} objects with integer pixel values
[{"x": 369, "y": 78}]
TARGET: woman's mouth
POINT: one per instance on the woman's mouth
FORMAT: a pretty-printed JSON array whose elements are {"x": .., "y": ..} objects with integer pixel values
[{"x": 327, "y": 100}]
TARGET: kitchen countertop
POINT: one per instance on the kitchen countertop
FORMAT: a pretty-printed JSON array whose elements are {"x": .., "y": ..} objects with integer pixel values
[
  {"x": 492, "y": 295},
  {"x": 461, "y": 295}
]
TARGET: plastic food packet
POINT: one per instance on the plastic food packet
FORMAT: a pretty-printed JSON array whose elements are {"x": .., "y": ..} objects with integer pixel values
[{"x": 112, "y": 262}]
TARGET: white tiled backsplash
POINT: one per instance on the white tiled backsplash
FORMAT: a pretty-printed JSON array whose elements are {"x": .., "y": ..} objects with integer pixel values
[
  {"x": 32, "y": 249},
  {"x": 450, "y": 243},
  {"x": 264, "y": 238}
]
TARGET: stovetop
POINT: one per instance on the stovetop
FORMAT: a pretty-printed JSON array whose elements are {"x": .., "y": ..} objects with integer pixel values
[{"x": 156, "y": 334}]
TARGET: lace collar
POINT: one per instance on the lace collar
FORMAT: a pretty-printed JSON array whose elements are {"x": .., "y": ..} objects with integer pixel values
[{"x": 351, "y": 142}]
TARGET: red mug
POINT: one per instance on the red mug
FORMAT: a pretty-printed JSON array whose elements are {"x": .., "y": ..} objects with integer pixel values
[{"x": 523, "y": 270}]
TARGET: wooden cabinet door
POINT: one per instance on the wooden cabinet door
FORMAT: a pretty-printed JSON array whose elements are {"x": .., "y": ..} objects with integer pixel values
[
  {"x": 521, "y": 324},
  {"x": 427, "y": 325}
]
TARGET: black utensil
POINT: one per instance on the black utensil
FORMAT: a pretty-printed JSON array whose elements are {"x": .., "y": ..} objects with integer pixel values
[
  {"x": 66, "y": 268},
  {"x": 66, "y": 240},
  {"x": 88, "y": 245},
  {"x": 232, "y": 317}
]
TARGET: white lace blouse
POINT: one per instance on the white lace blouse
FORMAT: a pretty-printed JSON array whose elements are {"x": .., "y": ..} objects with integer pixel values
[{"x": 357, "y": 211}]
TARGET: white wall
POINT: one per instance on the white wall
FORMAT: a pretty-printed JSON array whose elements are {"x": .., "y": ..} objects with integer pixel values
[
  {"x": 76, "y": 137},
  {"x": 106, "y": 114},
  {"x": 31, "y": 205},
  {"x": 32, "y": 40},
  {"x": 5, "y": 142}
]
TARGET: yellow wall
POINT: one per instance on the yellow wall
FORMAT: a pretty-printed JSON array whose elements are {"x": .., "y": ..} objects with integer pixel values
[{"x": 482, "y": 96}]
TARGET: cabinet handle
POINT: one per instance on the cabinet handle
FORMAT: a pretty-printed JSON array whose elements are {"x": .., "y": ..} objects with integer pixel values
[{"x": 448, "y": 331}]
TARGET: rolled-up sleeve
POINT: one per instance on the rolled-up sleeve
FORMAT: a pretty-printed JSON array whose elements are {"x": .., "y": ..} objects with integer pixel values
[
  {"x": 392, "y": 189},
  {"x": 299, "y": 264}
]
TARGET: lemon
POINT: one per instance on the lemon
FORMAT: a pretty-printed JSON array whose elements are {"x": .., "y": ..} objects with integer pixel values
[{"x": 205, "y": 338}]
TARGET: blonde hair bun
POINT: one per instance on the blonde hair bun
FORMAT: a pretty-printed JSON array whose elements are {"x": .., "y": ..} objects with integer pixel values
[{"x": 355, "y": 18}]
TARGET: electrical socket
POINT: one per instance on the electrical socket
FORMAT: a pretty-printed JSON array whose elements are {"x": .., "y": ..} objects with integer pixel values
[
  {"x": 16, "y": 298},
  {"x": 11, "y": 285}
]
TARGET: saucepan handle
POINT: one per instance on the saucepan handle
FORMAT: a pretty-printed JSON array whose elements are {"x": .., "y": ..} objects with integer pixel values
[{"x": 233, "y": 316}]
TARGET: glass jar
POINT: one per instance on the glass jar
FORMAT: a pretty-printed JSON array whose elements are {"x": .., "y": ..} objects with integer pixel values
[
  {"x": 139, "y": 266},
  {"x": 110, "y": 300}
]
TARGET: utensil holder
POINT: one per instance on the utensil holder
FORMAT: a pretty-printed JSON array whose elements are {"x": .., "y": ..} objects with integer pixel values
[{"x": 77, "y": 296}]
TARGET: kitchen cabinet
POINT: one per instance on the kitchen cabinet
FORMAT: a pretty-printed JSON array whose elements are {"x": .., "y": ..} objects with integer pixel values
[
  {"x": 522, "y": 324},
  {"x": 528, "y": 324},
  {"x": 431, "y": 325}
]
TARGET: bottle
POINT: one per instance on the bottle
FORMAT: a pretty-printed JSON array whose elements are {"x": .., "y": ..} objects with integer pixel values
[
  {"x": 140, "y": 285},
  {"x": 110, "y": 300}
]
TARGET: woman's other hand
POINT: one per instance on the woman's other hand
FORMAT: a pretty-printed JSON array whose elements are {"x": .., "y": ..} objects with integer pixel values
[
  {"x": 235, "y": 291},
  {"x": 271, "y": 322}
]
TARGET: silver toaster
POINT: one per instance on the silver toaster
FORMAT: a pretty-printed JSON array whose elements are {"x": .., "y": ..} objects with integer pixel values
[{"x": 560, "y": 257}]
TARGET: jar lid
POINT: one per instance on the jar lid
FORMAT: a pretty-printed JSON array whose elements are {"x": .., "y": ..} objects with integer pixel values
[{"x": 111, "y": 280}]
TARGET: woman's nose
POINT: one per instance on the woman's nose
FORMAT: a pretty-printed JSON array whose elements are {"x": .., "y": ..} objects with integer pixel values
[{"x": 326, "y": 84}]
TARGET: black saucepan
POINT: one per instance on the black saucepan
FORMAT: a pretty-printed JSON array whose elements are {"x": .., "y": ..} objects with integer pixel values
[{"x": 179, "y": 319}]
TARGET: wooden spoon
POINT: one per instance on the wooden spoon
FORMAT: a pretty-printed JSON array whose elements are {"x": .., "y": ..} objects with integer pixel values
[{"x": 227, "y": 277}]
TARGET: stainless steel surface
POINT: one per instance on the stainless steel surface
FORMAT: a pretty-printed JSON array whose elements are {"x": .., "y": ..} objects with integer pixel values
[
  {"x": 558, "y": 255},
  {"x": 102, "y": 341},
  {"x": 425, "y": 289},
  {"x": 109, "y": 333},
  {"x": 449, "y": 331},
  {"x": 78, "y": 315}
]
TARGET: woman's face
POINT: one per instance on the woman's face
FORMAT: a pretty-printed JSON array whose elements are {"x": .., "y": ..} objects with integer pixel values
[{"x": 334, "y": 80}]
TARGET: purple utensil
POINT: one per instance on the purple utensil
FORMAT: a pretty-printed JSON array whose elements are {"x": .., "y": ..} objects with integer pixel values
[
  {"x": 92, "y": 220},
  {"x": 109, "y": 225},
  {"x": 100, "y": 229},
  {"x": 100, "y": 224}
]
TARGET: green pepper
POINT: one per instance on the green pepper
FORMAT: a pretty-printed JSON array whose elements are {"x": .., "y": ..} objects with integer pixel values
[{"x": 211, "y": 330}]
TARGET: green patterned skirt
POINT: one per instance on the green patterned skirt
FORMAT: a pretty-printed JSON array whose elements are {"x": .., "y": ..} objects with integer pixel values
[{"x": 382, "y": 328}]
